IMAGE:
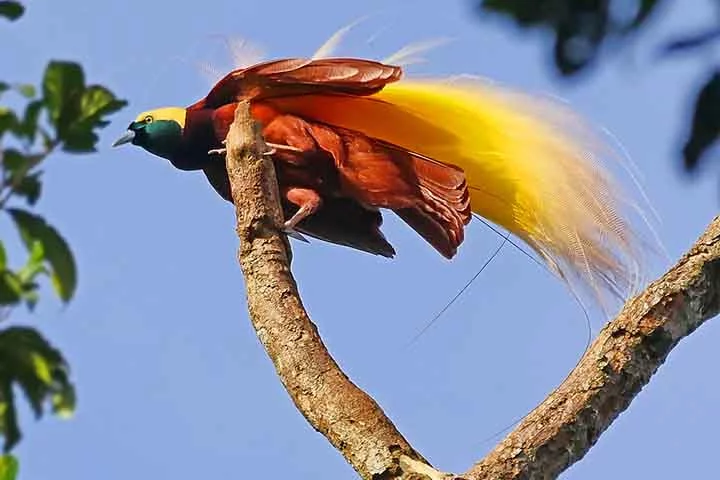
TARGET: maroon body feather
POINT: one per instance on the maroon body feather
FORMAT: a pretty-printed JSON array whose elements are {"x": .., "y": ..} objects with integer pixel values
[{"x": 339, "y": 178}]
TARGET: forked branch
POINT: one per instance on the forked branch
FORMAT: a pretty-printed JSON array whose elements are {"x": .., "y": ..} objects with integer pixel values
[{"x": 554, "y": 436}]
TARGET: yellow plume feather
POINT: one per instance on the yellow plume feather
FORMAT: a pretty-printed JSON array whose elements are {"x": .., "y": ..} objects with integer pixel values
[{"x": 532, "y": 167}]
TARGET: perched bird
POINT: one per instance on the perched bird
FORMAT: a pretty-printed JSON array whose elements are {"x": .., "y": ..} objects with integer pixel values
[{"x": 352, "y": 136}]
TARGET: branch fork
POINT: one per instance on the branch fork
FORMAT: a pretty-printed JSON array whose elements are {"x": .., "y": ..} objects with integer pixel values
[{"x": 558, "y": 433}]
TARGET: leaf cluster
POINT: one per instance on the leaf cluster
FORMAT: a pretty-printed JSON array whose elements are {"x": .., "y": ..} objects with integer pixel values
[
  {"x": 63, "y": 113},
  {"x": 583, "y": 29}
]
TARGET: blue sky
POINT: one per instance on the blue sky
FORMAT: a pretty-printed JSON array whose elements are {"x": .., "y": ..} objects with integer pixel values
[{"x": 172, "y": 380}]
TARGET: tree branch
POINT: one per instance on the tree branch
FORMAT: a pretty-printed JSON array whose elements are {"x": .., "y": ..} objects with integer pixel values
[
  {"x": 554, "y": 436},
  {"x": 627, "y": 352},
  {"x": 333, "y": 405}
]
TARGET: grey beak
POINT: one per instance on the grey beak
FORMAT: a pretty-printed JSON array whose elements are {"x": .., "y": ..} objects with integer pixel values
[{"x": 127, "y": 137}]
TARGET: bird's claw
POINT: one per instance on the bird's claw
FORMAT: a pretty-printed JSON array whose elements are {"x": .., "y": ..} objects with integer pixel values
[
  {"x": 288, "y": 148},
  {"x": 219, "y": 151},
  {"x": 292, "y": 233},
  {"x": 274, "y": 147}
]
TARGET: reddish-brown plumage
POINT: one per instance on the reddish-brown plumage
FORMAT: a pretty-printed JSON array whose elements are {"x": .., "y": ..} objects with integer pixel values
[{"x": 333, "y": 180}]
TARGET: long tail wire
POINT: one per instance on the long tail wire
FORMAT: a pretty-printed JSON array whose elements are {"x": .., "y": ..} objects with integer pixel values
[
  {"x": 467, "y": 285},
  {"x": 505, "y": 240}
]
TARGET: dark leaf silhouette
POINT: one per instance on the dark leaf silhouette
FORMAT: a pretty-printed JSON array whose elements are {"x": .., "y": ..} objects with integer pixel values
[
  {"x": 705, "y": 126},
  {"x": 29, "y": 361},
  {"x": 581, "y": 27},
  {"x": 56, "y": 251},
  {"x": 692, "y": 41},
  {"x": 11, "y": 10}
]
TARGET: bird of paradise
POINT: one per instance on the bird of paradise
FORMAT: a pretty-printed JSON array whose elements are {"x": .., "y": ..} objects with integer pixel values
[{"x": 352, "y": 136}]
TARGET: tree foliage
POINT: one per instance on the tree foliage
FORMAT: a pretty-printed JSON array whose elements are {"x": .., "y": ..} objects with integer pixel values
[
  {"x": 584, "y": 29},
  {"x": 64, "y": 113}
]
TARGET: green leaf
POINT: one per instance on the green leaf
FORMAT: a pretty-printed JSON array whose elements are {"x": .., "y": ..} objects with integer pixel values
[
  {"x": 30, "y": 187},
  {"x": 63, "y": 84},
  {"x": 28, "y": 360},
  {"x": 13, "y": 160},
  {"x": 96, "y": 102},
  {"x": 10, "y": 285},
  {"x": 705, "y": 128},
  {"x": 26, "y": 90},
  {"x": 29, "y": 125},
  {"x": 11, "y": 290},
  {"x": 8, "y": 121},
  {"x": 57, "y": 252},
  {"x": 21, "y": 181},
  {"x": 79, "y": 140},
  {"x": 4, "y": 87},
  {"x": 76, "y": 110},
  {"x": 11, "y": 10},
  {"x": 8, "y": 414},
  {"x": 8, "y": 467},
  {"x": 27, "y": 275},
  {"x": 64, "y": 402},
  {"x": 22, "y": 285}
]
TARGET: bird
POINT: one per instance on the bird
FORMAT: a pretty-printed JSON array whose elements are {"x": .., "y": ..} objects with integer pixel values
[{"x": 351, "y": 138}]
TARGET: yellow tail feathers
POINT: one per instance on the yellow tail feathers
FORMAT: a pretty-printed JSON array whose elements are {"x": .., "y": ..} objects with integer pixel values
[{"x": 531, "y": 165}]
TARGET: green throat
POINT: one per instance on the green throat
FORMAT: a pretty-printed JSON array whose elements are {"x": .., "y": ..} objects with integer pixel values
[{"x": 159, "y": 137}]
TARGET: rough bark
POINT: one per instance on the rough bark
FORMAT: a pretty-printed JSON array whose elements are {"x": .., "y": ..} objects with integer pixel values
[
  {"x": 626, "y": 353},
  {"x": 333, "y": 405},
  {"x": 554, "y": 436}
]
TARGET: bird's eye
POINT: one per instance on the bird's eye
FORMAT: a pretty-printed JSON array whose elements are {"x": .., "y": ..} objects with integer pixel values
[{"x": 148, "y": 119}]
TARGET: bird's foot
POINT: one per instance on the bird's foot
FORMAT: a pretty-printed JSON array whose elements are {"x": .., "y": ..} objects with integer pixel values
[{"x": 289, "y": 225}]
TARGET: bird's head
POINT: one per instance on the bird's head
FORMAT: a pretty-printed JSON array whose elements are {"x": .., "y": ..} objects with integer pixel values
[{"x": 158, "y": 131}]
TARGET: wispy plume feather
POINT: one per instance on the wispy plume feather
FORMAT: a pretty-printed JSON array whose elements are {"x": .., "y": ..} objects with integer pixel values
[
  {"x": 407, "y": 55},
  {"x": 243, "y": 52},
  {"x": 328, "y": 48},
  {"x": 211, "y": 73}
]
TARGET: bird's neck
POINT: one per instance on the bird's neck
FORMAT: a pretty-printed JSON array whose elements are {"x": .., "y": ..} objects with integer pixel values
[{"x": 198, "y": 138}]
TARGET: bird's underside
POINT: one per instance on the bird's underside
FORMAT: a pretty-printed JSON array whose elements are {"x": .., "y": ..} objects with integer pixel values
[
  {"x": 340, "y": 220},
  {"x": 333, "y": 182}
]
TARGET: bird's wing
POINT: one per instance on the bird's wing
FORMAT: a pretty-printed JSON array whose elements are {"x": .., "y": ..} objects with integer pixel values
[
  {"x": 431, "y": 197},
  {"x": 343, "y": 221},
  {"x": 297, "y": 76}
]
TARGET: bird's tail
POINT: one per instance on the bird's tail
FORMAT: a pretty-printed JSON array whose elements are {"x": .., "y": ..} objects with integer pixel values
[{"x": 531, "y": 165}]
